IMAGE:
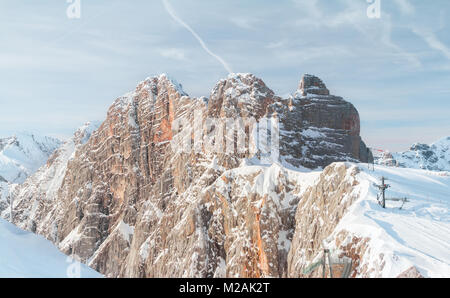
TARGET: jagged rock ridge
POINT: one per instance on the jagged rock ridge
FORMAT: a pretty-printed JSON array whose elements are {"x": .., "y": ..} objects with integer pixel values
[{"x": 130, "y": 204}]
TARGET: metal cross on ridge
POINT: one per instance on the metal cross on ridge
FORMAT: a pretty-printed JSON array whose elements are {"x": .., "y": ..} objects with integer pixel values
[{"x": 382, "y": 189}]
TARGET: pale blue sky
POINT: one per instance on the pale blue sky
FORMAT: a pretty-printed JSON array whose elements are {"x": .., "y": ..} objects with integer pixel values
[{"x": 57, "y": 73}]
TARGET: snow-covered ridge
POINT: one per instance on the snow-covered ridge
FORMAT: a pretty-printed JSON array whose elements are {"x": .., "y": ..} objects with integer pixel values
[
  {"x": 342, "y": 208},
  {"x": 417, "y": 235},
  {"x": 150, "y": 84},
  {"x": 434, "y": 157},
  {"x": 26, "y": 255},
  {"x": 22, "y": 154}
]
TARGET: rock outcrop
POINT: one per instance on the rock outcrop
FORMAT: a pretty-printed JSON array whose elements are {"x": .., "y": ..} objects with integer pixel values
[
  {"x": 321, "y": 208},
  {"x": 319, "y": 128},
  {"x": 411, "y": 273},
  {"x": 312, "y": 85},
  {"x": 131, "y": 201}
]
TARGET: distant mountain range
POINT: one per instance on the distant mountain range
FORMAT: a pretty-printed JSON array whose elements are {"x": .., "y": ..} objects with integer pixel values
[
  {"x": 23, "y": 154},
  {"x": 434, "y": 157}
]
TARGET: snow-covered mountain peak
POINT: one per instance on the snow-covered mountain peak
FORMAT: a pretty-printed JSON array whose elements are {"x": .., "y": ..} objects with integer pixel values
[
  {"x": 237, "y": 80},
  {"x": 22, "y": 154},
  {"x": 82, "y": 134},
  {"x": 149, "y": 89},
  {"x": 241, "y": 89},
  {"x": 240, "y": 76},
  {"x": 434, "y": 157},
  {"x": 442, "y": 144},
  {"x": 241, "y": 95},
  {"x": 163, "y": 79}
]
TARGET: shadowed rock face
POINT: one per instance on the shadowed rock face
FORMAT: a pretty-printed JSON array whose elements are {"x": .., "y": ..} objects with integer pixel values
[
  {"x": 131, "y": 204},
  {"x": 319, "y": 128},
  {"x": 312, "y": 85}
]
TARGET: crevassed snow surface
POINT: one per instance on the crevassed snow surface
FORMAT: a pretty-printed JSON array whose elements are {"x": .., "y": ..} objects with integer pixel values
[
  {"x": 23, "y": 154},
  {"x": 26, "y": 255},
  {"x": 418, "y": 234}
]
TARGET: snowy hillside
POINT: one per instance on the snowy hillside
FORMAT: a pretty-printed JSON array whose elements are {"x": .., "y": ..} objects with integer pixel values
[
  {"x": 435, "y": 157},
  {"x": 24, "y": 153},
  {"x": 418, "y": 235},
  {"x": 26, "y": 255}
]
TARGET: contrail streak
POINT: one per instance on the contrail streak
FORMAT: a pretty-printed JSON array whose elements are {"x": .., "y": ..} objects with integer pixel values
[{"x": 172, "y": 13}]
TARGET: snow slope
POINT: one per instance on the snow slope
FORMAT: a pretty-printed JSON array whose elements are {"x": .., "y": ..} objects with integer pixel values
[
  {"x": 24, "y": 153},
  {"x": 416, "y": 235},
  {"x": 435, "y": 157},
  {"x": 26, "y": 255}
]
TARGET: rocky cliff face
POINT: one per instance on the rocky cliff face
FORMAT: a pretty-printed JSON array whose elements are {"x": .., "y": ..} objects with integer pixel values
[
  {"x": 130, "y": 200},
  {"x": 322, "y": 207},
  {"x": 4, "y": 195},
  {"x": 36, "y": 200},
  {"x": 319, "y": 128}
]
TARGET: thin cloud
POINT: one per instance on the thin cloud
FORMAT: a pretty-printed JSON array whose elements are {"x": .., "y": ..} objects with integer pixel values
[
  {"x": 173, "y": 53},
  {"x": 354, "y": 15},
  {"x": 405, "y": 7},
  {"x": 174, "y": 16},
  {"x": 275, "y": 45},
  {"x": 387, "y": 40},
  {"x": 244, "y": 22},
  {"x": 433, "y": 42},
  {"x": 311, "y": 6}
]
